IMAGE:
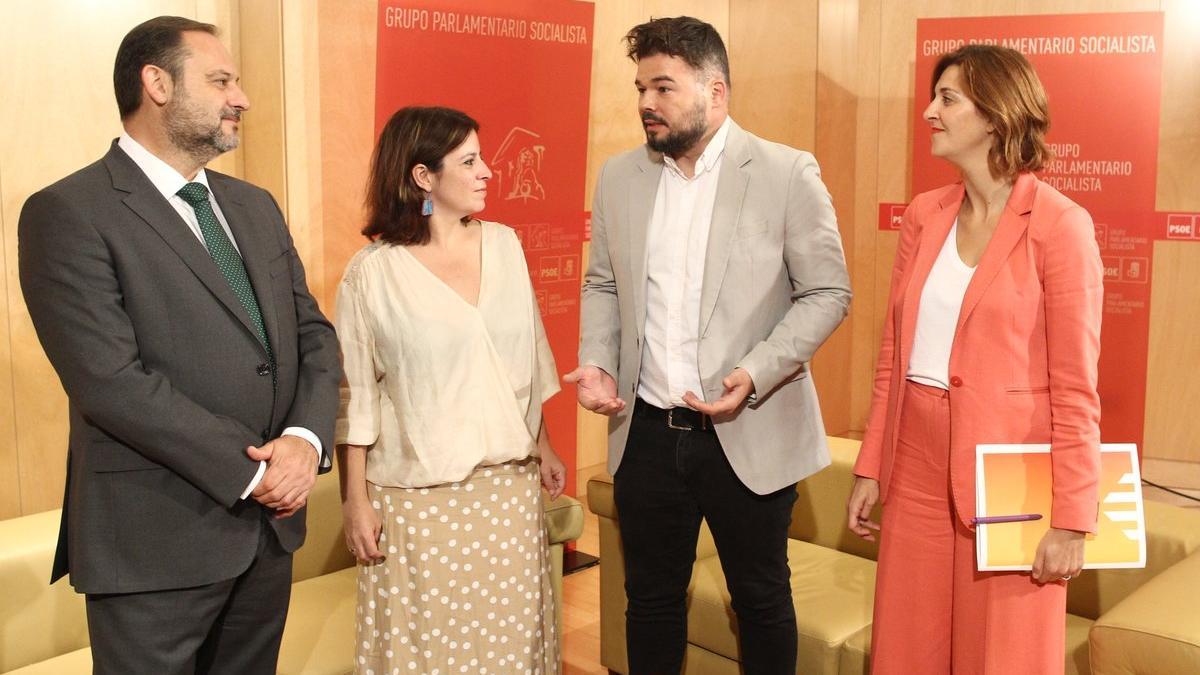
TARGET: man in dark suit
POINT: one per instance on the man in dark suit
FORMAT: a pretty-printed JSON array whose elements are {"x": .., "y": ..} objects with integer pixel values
[{"x": 201, "y": 375}]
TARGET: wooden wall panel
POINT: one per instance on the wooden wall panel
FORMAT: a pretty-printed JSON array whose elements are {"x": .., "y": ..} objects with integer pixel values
[
  {"x": 1172, "y": 397},
  {"x": 346, "y": 40},
  {"x": 1179, "y": 124},
  {"x": 261, "y": 62},
  {"x": 61, "y": 102},
  {"x": 836, "y": 112},
  {"x": 613, "y": 125},
  {"x": 772, "y": 48},
  {"x": 10, "y": 482},
  {"x": 863, "y": 246},
  {"x": 302, "y": 142}
]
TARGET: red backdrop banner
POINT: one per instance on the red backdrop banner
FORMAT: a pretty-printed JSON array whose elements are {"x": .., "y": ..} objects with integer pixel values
[
  {"x": 1102, "y": 73},
  {"x": 522, "y": 68}
]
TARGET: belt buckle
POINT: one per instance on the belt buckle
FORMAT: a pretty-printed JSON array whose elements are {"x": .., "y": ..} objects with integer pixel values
[{"x": 671, "y": 422}]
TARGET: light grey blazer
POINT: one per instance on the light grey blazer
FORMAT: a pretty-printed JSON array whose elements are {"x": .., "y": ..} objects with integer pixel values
[{"x": 775, "y": 287}]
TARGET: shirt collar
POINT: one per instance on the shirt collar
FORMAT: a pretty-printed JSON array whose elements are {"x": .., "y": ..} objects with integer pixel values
[
  {"x": 712, "y": 152},
  {"x": 163, "y": 176}
]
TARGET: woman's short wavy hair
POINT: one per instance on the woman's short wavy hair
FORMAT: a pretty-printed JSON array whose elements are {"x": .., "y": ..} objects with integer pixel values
[{"x": 1005, "y": 88}]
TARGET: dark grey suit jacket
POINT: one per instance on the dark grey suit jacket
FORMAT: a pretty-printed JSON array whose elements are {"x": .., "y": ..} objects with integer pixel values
[{"x": 166, "y": 378}]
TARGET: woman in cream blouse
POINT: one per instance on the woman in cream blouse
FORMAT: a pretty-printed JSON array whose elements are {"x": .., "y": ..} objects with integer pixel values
[{"x": 447, "y": 367}]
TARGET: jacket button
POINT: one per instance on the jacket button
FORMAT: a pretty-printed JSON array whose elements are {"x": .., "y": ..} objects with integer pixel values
[
  {"x": 956, "y": 381},
  {"x": 263, "y": 370}
]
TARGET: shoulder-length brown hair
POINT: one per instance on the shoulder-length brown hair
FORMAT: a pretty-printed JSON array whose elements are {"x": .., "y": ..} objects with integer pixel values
[
  {"x": 412, "y": 136},
  {"x": 1005, "y": 88}
]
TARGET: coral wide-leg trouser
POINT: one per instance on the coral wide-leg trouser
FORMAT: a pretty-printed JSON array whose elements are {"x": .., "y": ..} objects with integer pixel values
[{"x": 934, "y": 613}]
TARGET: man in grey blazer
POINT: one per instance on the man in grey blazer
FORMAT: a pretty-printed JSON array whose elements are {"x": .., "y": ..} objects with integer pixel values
[
  {"x": 201, "y": 375},
  {"x": 716, "y": 272}
]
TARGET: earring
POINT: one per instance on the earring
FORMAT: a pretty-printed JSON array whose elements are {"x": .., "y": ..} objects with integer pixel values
[{"x": 427, "y": 205}]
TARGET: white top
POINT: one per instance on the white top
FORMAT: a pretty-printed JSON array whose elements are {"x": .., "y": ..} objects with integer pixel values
[
  {"x": 436, "y": 386},
  {"x": 168, "y": 182},
  {"x": 676, "y": 246},
  {"x": 937, "y": 315}
]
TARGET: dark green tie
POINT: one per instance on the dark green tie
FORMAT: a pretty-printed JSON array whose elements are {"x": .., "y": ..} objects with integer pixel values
[{"x": 226, "y": 256}]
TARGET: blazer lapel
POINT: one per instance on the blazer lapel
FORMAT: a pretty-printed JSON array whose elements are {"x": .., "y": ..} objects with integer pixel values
[
  {"x": 933, "y": 235},
  {"x": 1013, "y": 224},
  {"x": 145, "y": 201},
  {"x": 727, "y": 211},
  {"x": 643, "y": 191},
  {"x": 255, "y": 254}
]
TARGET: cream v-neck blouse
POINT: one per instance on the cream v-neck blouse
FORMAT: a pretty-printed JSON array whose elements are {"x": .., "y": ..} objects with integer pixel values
[{"x": 436, "y": 386}]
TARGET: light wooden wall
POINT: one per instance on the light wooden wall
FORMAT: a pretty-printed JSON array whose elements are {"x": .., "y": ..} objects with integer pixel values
[
  {"x": 830, "y": 76},
  {"x": 58, "y": 115}
]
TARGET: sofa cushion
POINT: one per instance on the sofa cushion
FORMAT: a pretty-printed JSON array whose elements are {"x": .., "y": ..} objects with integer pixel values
[
  {"x": 832, "y": 591},
  {"x": 1172, "y": 534},
  {"x": 318, "y": 638},
  {"x": 856, "y": 654},
  {"x": 1077, "y": 645},
  {"x": 1155, "y": 631}
]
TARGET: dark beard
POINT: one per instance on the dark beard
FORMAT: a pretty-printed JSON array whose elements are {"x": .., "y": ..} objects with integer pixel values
[
  {"x": 677, "y": 141},
  {"x": 194, "y": 136}
]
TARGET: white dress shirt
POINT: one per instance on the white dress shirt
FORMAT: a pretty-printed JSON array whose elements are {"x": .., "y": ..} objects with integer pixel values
[
  {"x": 676, "y": 247},
  {"x": 168, "y": 182},
  {"x": 937, "y": 315}
]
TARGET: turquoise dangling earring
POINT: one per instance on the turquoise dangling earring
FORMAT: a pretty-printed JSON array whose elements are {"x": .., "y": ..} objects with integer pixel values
[{"x": 427, "y": 205}]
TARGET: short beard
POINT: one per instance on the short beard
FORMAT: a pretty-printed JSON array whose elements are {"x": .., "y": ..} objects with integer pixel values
[
  {"x": 188, "y": 130},
  {"x": 678, "y": 141}
]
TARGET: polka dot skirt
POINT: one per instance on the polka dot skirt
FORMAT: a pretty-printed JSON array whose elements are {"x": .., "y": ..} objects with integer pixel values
[{"x": 466, "y": 585}]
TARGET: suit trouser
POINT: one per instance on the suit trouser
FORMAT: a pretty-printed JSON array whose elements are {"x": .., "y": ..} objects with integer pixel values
[
  {"x": 934, "y": 613},
  {"x": 668, "y": 480},
  {"x": 231, "y": 626}
]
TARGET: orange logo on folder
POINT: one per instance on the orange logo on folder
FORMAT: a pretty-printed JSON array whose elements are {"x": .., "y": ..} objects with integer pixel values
[{"x": 1016, "y": 480}]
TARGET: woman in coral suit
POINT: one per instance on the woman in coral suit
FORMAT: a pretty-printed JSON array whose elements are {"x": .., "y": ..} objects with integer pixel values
[{"x": 992, "y": 335}]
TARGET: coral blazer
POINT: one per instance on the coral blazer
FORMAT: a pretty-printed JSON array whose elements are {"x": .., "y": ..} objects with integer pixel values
[{"x": 1023, "y": 364}]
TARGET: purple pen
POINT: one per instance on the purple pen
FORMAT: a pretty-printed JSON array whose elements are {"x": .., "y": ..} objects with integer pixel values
[{"x": 1020, "y": 518}]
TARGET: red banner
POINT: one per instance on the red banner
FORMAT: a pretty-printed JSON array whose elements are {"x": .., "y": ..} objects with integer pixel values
[
  {"x": 1103, "y": 76},
  {"x": 522, "y": 68}
]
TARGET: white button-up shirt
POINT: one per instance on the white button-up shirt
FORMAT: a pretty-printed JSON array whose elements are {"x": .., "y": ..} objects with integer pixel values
[{"x": 676, "y": 247}]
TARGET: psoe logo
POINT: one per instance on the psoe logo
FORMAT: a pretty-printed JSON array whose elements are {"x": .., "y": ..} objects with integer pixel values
[{"x": 517, "y": 166}]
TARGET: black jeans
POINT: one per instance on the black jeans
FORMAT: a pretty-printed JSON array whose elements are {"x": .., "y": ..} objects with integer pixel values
[{"x": 668, "y": 480}]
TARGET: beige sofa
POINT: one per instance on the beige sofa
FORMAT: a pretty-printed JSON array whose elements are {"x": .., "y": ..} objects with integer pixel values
[
  {"x": 43, "y": 630},
  {"x": 1121, "y": 622}
]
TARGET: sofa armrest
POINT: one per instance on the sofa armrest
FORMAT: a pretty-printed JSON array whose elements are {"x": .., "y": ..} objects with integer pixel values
[
  {"x": 819, "y": 515},
  {"x": 564, "y": 519},
  {"x": 600, "y": 496},
  {"x": 38, "y": 621},
  {"x": 1155, "y": 630},
  {"x": 1172, "y": 534}
]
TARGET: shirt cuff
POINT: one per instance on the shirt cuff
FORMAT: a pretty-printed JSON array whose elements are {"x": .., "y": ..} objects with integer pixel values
[
  {"x": 262, "y": 468},
  {"x": 299, "y": 432},
  {"x": 306, "y": 435}
]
